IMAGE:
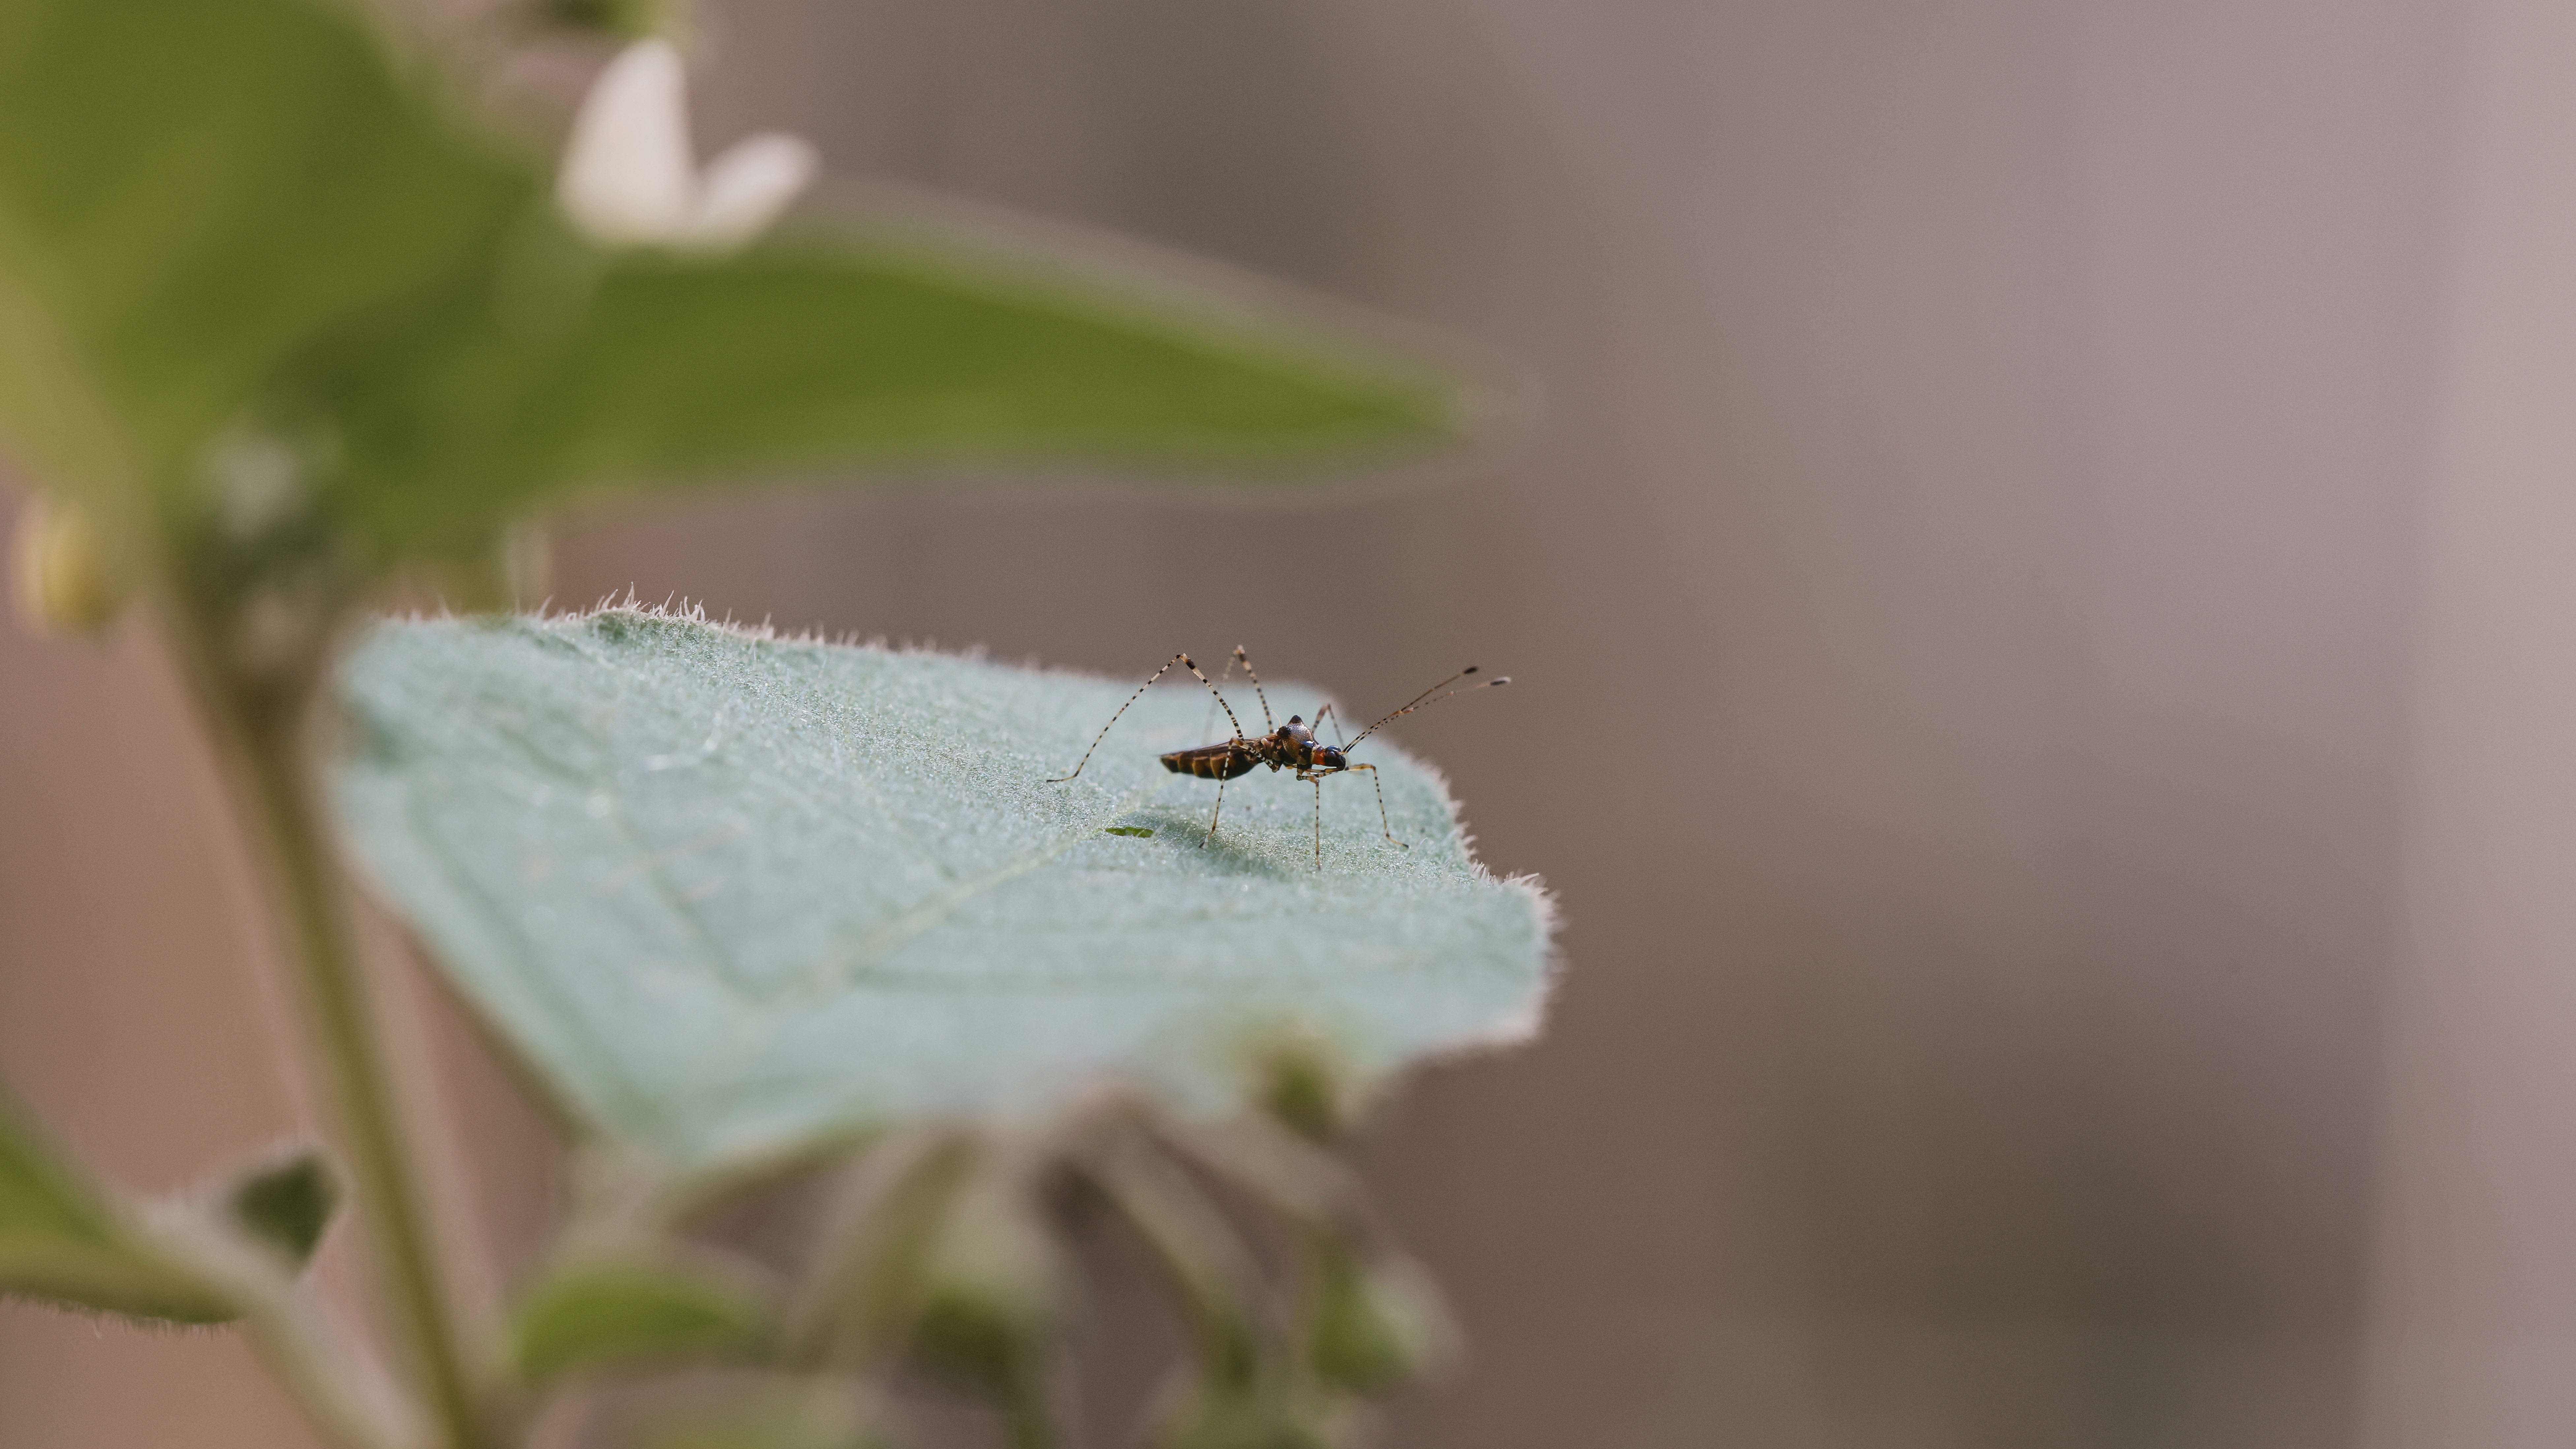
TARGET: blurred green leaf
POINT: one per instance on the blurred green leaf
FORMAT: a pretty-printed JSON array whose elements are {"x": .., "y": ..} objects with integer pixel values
[
  {"x": 789, "y": 1415},
  {"x": 229, "y": 215},
  {"x": 200, "y": 197},
  {"x": 63, "y": 1241},
  {"x": 594, "y": 1312},
  {"x": 804, "y": 354},
  {"x": 285, "y": 1203},
  {"x": 729, "y": 894}
]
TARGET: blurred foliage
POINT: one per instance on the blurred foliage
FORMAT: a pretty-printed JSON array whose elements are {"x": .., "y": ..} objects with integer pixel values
[
  {"x": 594, "y": 1310},
  {"x": 280, "y": 316},
  {"x": 255, "y": 274}
]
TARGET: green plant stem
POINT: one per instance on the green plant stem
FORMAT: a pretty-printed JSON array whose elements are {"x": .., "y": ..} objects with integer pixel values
[
  {"x": 261, "y": 731},
  {"x": 343, "y": 1388}
]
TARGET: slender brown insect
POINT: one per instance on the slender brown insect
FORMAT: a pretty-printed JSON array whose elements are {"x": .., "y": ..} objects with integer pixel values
[{"x": 1290, "y": 746}]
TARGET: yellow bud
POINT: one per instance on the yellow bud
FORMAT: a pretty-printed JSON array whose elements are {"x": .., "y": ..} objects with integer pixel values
[{"x": 67, "y": 579}]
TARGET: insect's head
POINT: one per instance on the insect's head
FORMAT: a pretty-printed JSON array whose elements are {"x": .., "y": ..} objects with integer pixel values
[{"x": 1328, "y": 758}]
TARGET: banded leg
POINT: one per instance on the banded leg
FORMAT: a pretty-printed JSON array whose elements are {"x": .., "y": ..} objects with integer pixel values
[
  {"x": 1269, "y": 722},
  {"x": 1385, "y": 821},
  {"x": 1215, "y": 814},
  {"x": 1184, "y": 661}
]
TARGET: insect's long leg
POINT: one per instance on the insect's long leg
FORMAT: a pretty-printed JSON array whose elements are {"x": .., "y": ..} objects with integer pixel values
[
  {"x": 1426, "y": 699},
  {"x": 1222, "y": 676},
  {"x": 1337, "y": 723},
  {"x": 1384, "y": 820},
  {"x": 1269, "y": 722},
  {"x": 1180, "y": 659},
  {"x": 1213, "y": 815}
]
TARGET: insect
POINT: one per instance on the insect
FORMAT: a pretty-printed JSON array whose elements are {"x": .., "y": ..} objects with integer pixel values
[{"x": 1290, "y": 746}]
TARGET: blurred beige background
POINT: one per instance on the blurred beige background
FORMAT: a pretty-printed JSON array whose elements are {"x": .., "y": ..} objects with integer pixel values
[{"x": 2042, "y": 580}]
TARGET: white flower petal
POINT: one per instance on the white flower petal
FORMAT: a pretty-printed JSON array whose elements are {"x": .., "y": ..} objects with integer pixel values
[
  {"x": 747, "y": 186},
  {"x": 627, "y": 170}
]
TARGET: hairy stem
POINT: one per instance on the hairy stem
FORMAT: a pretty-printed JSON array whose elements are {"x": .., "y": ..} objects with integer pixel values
[
  {"x": 260, "y": 732},
  {"x": 344, "y": 1390}
]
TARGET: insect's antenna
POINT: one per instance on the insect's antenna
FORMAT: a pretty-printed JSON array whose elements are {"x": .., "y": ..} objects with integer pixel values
[
  {"x": 1269, "y": 722},
  {"x": 1181, "y": 659},
  {"x": 1426, "y": 699}
]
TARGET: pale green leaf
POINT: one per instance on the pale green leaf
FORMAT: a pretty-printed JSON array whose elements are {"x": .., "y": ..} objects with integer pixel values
[
  {"x": 730, "y": 894},
  {"x": 62, "y": 1240}
]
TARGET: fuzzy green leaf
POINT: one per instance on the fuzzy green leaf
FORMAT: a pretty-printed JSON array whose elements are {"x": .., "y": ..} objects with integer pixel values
[
  {"x": 732, "y": 894},
  {"x": 600, "y": 1312},
  {"x": 64, "y": 1241}
]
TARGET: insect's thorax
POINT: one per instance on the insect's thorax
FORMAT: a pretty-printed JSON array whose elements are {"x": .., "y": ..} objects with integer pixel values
[{"x": 1294, "y": 745}]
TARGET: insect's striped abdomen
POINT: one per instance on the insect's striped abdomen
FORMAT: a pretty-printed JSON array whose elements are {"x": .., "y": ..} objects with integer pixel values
[{"x": 1212, "y": 762}]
